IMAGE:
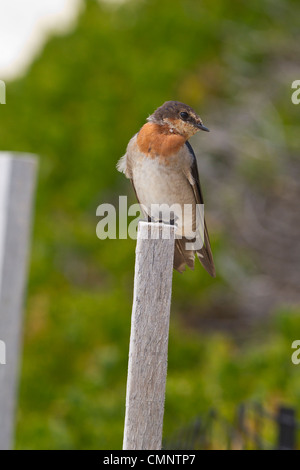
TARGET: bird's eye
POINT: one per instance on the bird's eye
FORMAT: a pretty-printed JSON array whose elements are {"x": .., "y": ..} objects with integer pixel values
[{"x": 184, "y": 116}]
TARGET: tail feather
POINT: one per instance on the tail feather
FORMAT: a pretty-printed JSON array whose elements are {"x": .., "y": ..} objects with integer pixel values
[
  {"x": 183, "y": 257},
  {"x": 206, "y": 262}
]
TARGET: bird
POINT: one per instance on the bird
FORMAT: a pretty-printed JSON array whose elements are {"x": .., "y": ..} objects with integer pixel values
[{"x": 162, "y": 167}]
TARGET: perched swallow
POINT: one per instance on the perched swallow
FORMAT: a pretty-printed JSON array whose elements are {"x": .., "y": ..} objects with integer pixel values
[{"x": 162, "y": 167}]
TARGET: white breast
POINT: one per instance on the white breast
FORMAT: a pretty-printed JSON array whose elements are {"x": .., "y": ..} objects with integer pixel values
[{"x": 158, "y": 184}]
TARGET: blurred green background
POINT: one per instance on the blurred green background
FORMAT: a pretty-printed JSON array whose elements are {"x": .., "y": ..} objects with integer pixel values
[{"x": 77, "y": 107}]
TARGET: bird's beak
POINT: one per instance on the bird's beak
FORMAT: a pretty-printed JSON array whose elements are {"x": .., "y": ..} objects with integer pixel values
[{"x": 203, "y": 128}]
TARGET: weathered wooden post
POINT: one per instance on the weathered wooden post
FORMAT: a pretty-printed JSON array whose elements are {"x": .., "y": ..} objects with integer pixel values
[
  {"x": 148, "y": 351},
  {"x": 17, "y": 181}
]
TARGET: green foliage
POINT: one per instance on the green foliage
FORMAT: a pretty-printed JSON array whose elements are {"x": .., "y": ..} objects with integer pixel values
[{"x": 77, "y": 107}]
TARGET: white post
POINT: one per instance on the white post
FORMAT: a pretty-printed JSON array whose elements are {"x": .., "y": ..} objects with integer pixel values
[
  {"x": 148, "y": 351},
  {"x": 17, "y": 181}
]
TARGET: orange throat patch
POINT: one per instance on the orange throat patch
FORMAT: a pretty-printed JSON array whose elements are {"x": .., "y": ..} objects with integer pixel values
[{"x": 155, "y": 140}]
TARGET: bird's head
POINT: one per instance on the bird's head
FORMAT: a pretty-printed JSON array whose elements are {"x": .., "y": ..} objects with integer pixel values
[{"x": 179, "y": 118}]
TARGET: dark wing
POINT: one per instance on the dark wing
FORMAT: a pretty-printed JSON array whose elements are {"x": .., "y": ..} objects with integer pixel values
[{"x": 204, "y": 254}]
